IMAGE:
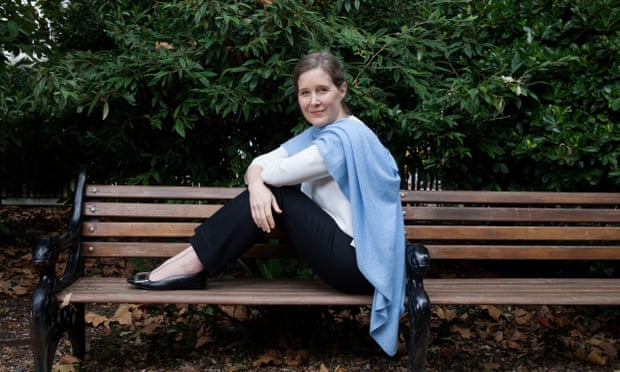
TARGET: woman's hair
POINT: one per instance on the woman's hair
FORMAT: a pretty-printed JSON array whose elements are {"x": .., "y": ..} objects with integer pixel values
[{"x": 325, "y": 61}]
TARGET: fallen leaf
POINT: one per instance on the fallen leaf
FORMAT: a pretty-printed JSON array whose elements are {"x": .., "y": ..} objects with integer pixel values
[
  {"x": 203, "y": 340},
  {"x": 95, "y": 320},
  {"x": 67, "y": 363},
  {"x": 608, "y": 348},
  {"x": 235, "y": 311},
  {"x": 69, "y": 359},
  {"x": 63, "y": 368},
  {"x": 267, "y": 359},
  {"x": 493, "y": 311},
  {"x": 19, "y": 291},
  {"x": 491, "y": 366},
  {"x": 123, "y": 315},
  {"x": 597, "y": 358},
  {"x": 462, "y": 331},
  {"x": 296, "y": 357},
  {"x": 445, "y": 314}
]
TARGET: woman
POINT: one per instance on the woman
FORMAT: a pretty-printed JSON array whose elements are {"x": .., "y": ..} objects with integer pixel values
[{"x": 333, "y": 190}]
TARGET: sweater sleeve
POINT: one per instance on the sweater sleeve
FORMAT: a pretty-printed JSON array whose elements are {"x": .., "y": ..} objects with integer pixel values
[{"x": 279, "y": 169}]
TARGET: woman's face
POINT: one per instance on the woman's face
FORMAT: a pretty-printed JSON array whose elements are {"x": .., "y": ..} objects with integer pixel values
[{"x": 319, "y": 99}]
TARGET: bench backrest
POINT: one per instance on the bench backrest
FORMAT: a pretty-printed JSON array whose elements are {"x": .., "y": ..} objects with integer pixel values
[
  {"x": 515, "y": 225},
  {"x": 156, "y": 221}
]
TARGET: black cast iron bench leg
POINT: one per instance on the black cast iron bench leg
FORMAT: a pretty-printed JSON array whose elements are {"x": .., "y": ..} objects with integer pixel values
[
  {"x": 48, "y": 320},
  {"x": 419, "y": 306}
]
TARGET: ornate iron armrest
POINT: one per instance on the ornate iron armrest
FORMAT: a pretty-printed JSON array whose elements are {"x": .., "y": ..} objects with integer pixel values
[{"x": 46, "y": 251}]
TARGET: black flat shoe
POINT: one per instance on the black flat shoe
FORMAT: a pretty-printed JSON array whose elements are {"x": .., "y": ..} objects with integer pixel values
[{"x": 191, "y": 281}]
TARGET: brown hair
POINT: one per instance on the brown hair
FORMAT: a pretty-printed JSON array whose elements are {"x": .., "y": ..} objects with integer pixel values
[{"x": 324, "y": 60}]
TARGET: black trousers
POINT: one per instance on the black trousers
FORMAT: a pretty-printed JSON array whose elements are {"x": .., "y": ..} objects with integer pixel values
[{"x": 311, "y": 231}]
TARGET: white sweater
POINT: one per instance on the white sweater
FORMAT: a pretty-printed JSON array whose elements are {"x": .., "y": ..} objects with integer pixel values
[{"x": 308, "y": 169}]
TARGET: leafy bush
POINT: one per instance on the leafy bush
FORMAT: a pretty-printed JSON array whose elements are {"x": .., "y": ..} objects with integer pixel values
[{"x": 482, "y": 95}]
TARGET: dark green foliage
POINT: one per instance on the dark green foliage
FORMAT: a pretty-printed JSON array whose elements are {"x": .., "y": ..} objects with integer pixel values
[{"x": 483, "y": 95}]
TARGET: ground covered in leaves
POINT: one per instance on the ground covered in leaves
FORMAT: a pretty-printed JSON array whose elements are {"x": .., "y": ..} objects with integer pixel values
[{"x": 133, "y": 337}]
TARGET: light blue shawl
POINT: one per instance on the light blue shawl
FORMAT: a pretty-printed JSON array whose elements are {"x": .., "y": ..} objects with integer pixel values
[{"x": 368, "y": 176}]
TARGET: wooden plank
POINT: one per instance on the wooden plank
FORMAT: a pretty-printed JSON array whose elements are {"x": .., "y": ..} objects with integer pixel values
[
  {"x": 535, "y": 291},
  {"x": 511, "y": 197},
  {"x": 564, "y": 291},
  {"x": 437, "y": 251},
  {"x": 161, "y": 192},
  {"x": 168, "y": 249},
  {"x": 407, "y": 196},
  {"x": 413, "y": 232},
  {"x": 522, "y": 233},
  {"x": 139, "y": 229},
  {"x": 506, "y": 214},
  {"x": 219, "y": 291},
  {"x": 150, "y": 210},
  {"x": 510, "y": 214},
  {"x": 523, "y": 252}
]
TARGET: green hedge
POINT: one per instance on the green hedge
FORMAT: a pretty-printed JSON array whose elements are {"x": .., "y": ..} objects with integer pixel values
[{"x": 481, "y": 95}]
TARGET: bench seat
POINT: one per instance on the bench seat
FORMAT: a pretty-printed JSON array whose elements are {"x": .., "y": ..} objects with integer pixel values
[{"x": 460, "y": 291}]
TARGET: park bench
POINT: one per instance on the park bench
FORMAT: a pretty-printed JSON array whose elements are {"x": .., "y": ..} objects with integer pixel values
[{"x": 155, "y": 221}]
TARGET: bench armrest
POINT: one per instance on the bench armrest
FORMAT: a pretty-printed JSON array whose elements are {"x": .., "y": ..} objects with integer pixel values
[{"x": 46, "y": 251}]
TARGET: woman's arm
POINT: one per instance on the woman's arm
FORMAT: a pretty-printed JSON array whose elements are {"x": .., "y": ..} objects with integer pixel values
[
  {"x": 304, "y": 166},
  {"x": 262, "y": 201}
]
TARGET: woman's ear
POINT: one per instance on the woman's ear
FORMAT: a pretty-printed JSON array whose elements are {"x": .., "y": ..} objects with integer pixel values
[{"x": 343, "y": 88}]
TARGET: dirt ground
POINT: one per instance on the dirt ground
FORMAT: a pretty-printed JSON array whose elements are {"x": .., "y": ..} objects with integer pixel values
[{"x": 191, "y": 338}]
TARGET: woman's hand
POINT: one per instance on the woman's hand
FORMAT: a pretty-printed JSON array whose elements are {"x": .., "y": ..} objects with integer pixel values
[{"x": 262, "y": 201}]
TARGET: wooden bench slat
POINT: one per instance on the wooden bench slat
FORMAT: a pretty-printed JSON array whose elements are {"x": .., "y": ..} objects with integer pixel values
[
  {"x": 139, "y": 229},
  {"x": 408, "y": 196},
  {"x": 523, "y": 233},
  {"x": 203, "y": 211},
  {"x": 437, "y": 251},
  {"x": 219, "y": 291},
  {"x": 150, "y": 210},
  {"x": 168, "y": 249},
  {"x": 511, "y": 197},
  {"x": 512, "y": 214},
  {"x": 562, "y": 291},
  {"x": 161, "y": 192},
  {"x": 413, "y": 232},
  {"x": 523, "y": 252}
]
